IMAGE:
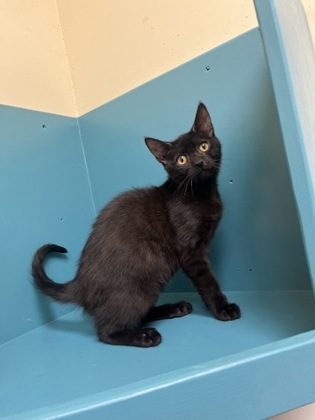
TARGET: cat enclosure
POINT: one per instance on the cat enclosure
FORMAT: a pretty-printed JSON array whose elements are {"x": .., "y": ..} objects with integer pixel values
[{"x": 57, "y": 171}]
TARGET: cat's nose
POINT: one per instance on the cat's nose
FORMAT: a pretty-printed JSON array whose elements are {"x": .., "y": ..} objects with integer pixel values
[{"x": 199, "y": 164}]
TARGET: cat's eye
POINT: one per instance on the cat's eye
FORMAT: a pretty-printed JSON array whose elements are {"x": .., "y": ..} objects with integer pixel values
[
  {"x": 181, "y": 160},
  {"x": 204, "y": 146}
]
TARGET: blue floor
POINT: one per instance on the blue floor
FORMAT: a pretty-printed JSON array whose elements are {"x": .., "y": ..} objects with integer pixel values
[{"x": 54, "y": 366}]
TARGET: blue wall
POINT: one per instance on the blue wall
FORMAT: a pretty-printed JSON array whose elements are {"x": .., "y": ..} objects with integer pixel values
[
  {"x": 45, "y": 197},
  {"x": 259, "y": 245}
]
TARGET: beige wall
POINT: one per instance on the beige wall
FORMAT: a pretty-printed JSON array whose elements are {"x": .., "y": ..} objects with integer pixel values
[
  {"x": 105, "y": 48},
  {"x": 34, "y": 71},
  {"x": 304, "y": 413},
  {"x": 131, "y": 42},
  {"x": 309, "y": 6}
]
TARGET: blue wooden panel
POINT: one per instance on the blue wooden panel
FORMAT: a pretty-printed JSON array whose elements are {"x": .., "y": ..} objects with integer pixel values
[
  {"x": 254, "y": 385},
  {"x": 258, "y": 245},
  {"x": 291, "y": 59},
  {"x": 61, "y": 367},
  {"x": 45, "y": 197}
]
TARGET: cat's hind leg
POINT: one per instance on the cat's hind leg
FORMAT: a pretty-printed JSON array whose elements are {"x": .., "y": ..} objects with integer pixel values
[
  {"x": 140, "y": 337},
  {"x": 168, "y": 311},
  {"x": 124, "y": 329}
]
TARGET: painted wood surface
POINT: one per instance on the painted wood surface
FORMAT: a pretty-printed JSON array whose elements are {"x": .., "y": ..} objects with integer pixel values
[
  {"x": 258, "y": 245},
  {"x": 291, "y": 57},
  {"x": 202, "y": 365},
  {"x": 45, "y": 197}
]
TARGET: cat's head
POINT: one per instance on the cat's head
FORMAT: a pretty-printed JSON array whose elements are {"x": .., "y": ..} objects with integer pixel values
[{"x": 195, "y": 155}]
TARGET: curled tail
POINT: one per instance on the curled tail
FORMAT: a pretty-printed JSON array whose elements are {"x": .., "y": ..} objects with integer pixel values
[{"x": 57, "y": 291}]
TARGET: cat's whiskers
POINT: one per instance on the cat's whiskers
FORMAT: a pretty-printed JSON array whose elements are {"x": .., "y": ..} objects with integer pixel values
[
  {"x": 191, "y": 187},
  {"x": 216, "y": 165},
  {"x": 189, "y": 183},
  {"x": 186, "y": 185},
  {"x": 177, "y": 177},
  {"x": 181, "y": 184}
]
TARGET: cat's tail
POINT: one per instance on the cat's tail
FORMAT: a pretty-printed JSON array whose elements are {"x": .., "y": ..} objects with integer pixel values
[{"x": 60, "y": 292}]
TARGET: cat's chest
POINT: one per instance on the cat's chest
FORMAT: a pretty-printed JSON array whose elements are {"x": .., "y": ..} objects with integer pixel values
[{"x": 196, "y": 221}]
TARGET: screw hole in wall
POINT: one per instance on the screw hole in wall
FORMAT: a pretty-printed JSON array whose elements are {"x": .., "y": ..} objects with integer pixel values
[
  {"x": 44, "y": 126},
  {"x": 231, "y": 181},
  {"x": 207, "y": 68}
]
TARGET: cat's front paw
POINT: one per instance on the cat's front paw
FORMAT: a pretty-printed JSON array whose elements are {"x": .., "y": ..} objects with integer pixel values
[
  {"x": 228, "y": 312},
  {"x": 182, "y": 308}
]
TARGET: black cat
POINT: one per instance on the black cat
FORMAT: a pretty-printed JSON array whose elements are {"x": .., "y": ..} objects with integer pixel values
[{"x": 142, "y": 237}]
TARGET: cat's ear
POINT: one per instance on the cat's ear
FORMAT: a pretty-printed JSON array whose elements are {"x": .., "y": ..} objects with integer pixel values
[
  {"x": 158, "y": 148},
  {"x": 203, "y": 124}
]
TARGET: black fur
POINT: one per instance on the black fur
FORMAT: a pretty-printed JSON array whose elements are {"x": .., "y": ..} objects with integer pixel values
[{"x": 142, "y": 237}]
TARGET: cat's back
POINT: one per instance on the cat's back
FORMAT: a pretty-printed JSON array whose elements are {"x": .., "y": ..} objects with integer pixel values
[
  {"x": 137, "y": 213},
  {"x": 138, "y": 202}
]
